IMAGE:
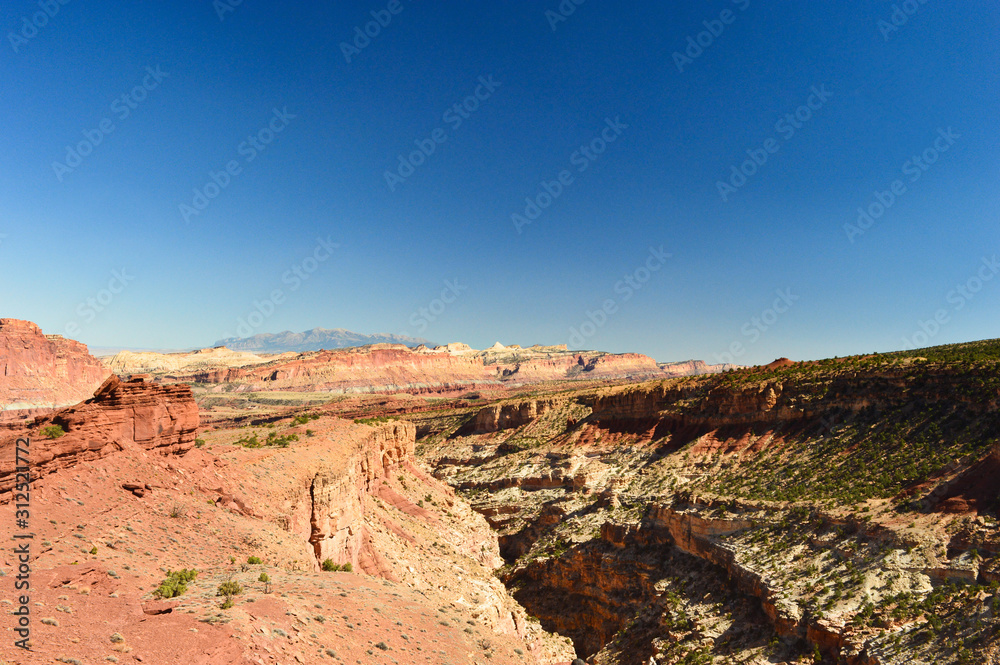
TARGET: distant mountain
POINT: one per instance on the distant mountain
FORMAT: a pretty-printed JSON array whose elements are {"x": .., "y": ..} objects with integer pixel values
[{"x": 313, "y": 340}]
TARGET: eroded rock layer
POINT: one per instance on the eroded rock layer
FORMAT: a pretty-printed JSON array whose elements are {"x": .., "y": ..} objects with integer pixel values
[
  {"x": 120, "y": 416},
  {"x": 40, "y": 371}
]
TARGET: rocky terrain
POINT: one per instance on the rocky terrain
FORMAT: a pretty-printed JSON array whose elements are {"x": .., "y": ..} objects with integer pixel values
[
  {"x": 42, "y": 372},
  {"x": 840, "y": 511}
]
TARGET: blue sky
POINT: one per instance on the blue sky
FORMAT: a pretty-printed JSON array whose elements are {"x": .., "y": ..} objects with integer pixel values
[{"x": 308, "y": 214}]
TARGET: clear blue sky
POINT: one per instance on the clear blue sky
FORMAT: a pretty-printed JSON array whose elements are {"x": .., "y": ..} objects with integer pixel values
[{"x": 189, "y": 281}]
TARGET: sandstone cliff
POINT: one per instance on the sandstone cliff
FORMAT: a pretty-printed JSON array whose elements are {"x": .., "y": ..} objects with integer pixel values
[
  {"x": 120, "y": 416},
  {"x": 43, "y": 371}
]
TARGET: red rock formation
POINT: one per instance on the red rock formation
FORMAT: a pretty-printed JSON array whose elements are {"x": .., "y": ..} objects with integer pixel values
[
  {"x": 506, "y": 416},
  {"x": 121, "y": 415},
  {"x": 396, "y": 368},
  {"x": 43, "y": 371}
]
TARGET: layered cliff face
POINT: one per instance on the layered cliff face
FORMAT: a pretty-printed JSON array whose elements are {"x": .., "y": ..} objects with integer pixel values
[
  {"x": 219, "y": 358},
  {"x": 43, "y": 371},
  {"x": 120, "y": 416},
  {"x": 355, "y": 495},
  {"x": 395, "y": 368},
  {"x": 507, "y": 416}
]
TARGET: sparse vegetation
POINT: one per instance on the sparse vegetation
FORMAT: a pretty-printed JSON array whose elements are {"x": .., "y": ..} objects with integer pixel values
[
  {"x": 273, "y": 439},
  {"x": 175, "y": 584},
  {"x": 378, "y": 420}
]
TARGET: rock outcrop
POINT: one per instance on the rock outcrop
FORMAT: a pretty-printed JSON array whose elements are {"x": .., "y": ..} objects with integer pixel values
[
  {"x": 43, "y": 371},
  {"x": 121, "y": 415},
  {"x": 506, "y": 416}
]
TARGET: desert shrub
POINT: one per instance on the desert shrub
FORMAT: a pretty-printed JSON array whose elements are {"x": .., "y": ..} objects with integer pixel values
[
  {"x": 254, "y": 560},
  {"x": 264, "y": 578},
  {"x": 229, "y": 588},
  {"x": 329, "y": 566},
  {"x": 53, "y": 431},
  {"x": 175, "y": 584}
]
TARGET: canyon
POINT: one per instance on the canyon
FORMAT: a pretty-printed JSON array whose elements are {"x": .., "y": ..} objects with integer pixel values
[{"x": 519, "y": 505}]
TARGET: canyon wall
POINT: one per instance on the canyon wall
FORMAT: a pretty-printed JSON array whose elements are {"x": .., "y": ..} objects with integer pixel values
[
  {"x": 397, "y": 368},
  {"x": 42, "y": 371}
]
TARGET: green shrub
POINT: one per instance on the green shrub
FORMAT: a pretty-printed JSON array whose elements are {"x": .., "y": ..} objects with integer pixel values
[
  {"x": 329, "y": 566},
  {"x": 199, "y": 443},
  {"x": 53, "y": 431},
  {"x": 254, "y": 560},
  {"x": 264, "y": 578},
  {"x": 175, "y": 584},
  {"x": 347, "y": 568},
  {"x": 229, "y": 588}
]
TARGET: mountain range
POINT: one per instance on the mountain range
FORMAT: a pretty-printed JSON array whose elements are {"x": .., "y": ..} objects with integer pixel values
[{"x": 314, "y": 340}]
